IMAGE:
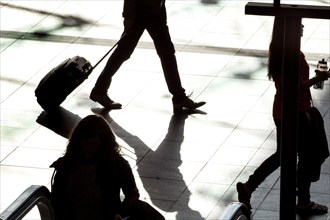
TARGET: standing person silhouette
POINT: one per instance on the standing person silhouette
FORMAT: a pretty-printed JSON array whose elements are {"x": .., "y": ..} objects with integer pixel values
[
  {"x": 89, "y": 177},
  {"x": 140, "y": 15},
  {"x": 305, "y": 141}
]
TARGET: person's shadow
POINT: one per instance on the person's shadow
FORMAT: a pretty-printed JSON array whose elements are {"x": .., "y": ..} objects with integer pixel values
[
  {"x": 61, "y": 121},
  {"x": 159, "y": 171}
]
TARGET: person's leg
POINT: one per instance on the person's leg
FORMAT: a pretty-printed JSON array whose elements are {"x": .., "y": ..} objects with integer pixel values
[
  {"x": 303, "y": 182},
  {"x": 269, "y": 165},
  {"x": 122, "y": 53},
  {"x": 159, "y": 32},
  {"x": 261, "y": 173}
]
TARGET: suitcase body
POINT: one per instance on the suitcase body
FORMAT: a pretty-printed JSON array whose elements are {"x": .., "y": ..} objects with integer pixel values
[{"x": 61, "y": 81}]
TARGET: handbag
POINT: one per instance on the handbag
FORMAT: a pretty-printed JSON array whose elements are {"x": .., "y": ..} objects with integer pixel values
[
  {"x": 319, "y": 151},
  {"x": 141, "y": 210},
  {"x": 317, "y": 124}
]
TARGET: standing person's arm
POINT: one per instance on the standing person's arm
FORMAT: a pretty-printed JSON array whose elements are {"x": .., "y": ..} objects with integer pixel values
[
  {"x": 320, "y": 76},
  {"x": 305, "y": 81}
]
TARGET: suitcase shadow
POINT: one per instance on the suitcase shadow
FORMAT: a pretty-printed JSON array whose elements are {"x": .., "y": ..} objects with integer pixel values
[{"x": 61, "y": 121}]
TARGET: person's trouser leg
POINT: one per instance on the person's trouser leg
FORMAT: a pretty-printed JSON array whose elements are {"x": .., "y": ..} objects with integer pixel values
[
  {"x": 303, "y": 183},
  {"x": 263, "y": 171},
  {"x": 269, "y": 165},
  {"x": 303, "y": 171},
  {"x": 159, "y": 32},
  {"x": 122, "y": 53}
]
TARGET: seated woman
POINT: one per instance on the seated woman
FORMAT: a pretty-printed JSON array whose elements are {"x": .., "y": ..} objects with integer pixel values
[{"x": 87, "y": 180}]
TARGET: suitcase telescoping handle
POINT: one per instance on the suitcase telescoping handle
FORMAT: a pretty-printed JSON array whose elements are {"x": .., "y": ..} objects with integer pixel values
[{"x": 107, "y": 53}]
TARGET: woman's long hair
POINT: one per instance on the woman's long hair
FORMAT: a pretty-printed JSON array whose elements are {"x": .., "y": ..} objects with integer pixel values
[
  {"x": 92, "y": 126},
  {"x": 275, "y": 59}
]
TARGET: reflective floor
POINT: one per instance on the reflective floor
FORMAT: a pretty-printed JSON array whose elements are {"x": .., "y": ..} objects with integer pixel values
[{"x": 186, "y": 165}]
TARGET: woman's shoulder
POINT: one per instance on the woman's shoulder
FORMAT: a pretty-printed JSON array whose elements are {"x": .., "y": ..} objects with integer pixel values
[
  {"x": 58, "y": 163},
  {"x": 120, "y": 160}
]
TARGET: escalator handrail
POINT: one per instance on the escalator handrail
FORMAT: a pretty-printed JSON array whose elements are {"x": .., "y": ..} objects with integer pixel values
[{"x": 35, "y": 195}]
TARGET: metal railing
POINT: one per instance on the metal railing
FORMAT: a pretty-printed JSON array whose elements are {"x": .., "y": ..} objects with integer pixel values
[
  {"x": 39, "y": 196},
  {"x": 34, "y": 195},
  {"x": 235, "y": 211}
]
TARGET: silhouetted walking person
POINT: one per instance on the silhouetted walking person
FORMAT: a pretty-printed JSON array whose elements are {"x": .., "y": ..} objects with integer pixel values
[
  {"x": 140, "y": 15},
  {"x": 306, "y": 143}
]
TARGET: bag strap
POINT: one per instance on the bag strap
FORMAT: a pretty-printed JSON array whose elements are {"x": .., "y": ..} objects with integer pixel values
[{"x": 52, "y": 179}]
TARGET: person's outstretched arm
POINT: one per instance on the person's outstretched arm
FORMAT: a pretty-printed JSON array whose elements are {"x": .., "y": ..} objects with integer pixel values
[{"x": 320, "y": 76}]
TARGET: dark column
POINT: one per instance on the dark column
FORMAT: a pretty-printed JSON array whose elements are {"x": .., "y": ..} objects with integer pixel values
[
  {"x": 292, "y": 30},
  {"x": 277, "y": 3}
]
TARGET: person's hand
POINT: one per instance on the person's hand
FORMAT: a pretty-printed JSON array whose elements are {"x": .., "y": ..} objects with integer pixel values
[
  {"x": 322, "y": 75},
  {"x": 128, "y": 24}
]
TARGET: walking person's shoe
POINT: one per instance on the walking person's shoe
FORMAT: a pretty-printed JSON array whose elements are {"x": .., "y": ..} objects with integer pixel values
[
  {"x": 311, "y": 208},
  {"x": 104, "y": 100},
  {"x": 186, "y": 103},
  {"x": 244, "y": 194}
]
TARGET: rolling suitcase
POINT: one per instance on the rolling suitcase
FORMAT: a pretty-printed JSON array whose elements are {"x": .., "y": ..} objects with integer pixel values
[
  {"x": 57, "y": 84},
  {"x": 61, "y": 81}
]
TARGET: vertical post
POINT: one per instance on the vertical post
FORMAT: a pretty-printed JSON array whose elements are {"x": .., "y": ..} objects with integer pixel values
[
  {"x": 277, "y": 3},
  {"x": 291, "y": 78}
]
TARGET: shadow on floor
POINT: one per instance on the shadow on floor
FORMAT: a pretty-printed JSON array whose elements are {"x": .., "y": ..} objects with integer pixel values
[
  {"x": 162, "y": 164},
  {"x": 62, "y": 121}
]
